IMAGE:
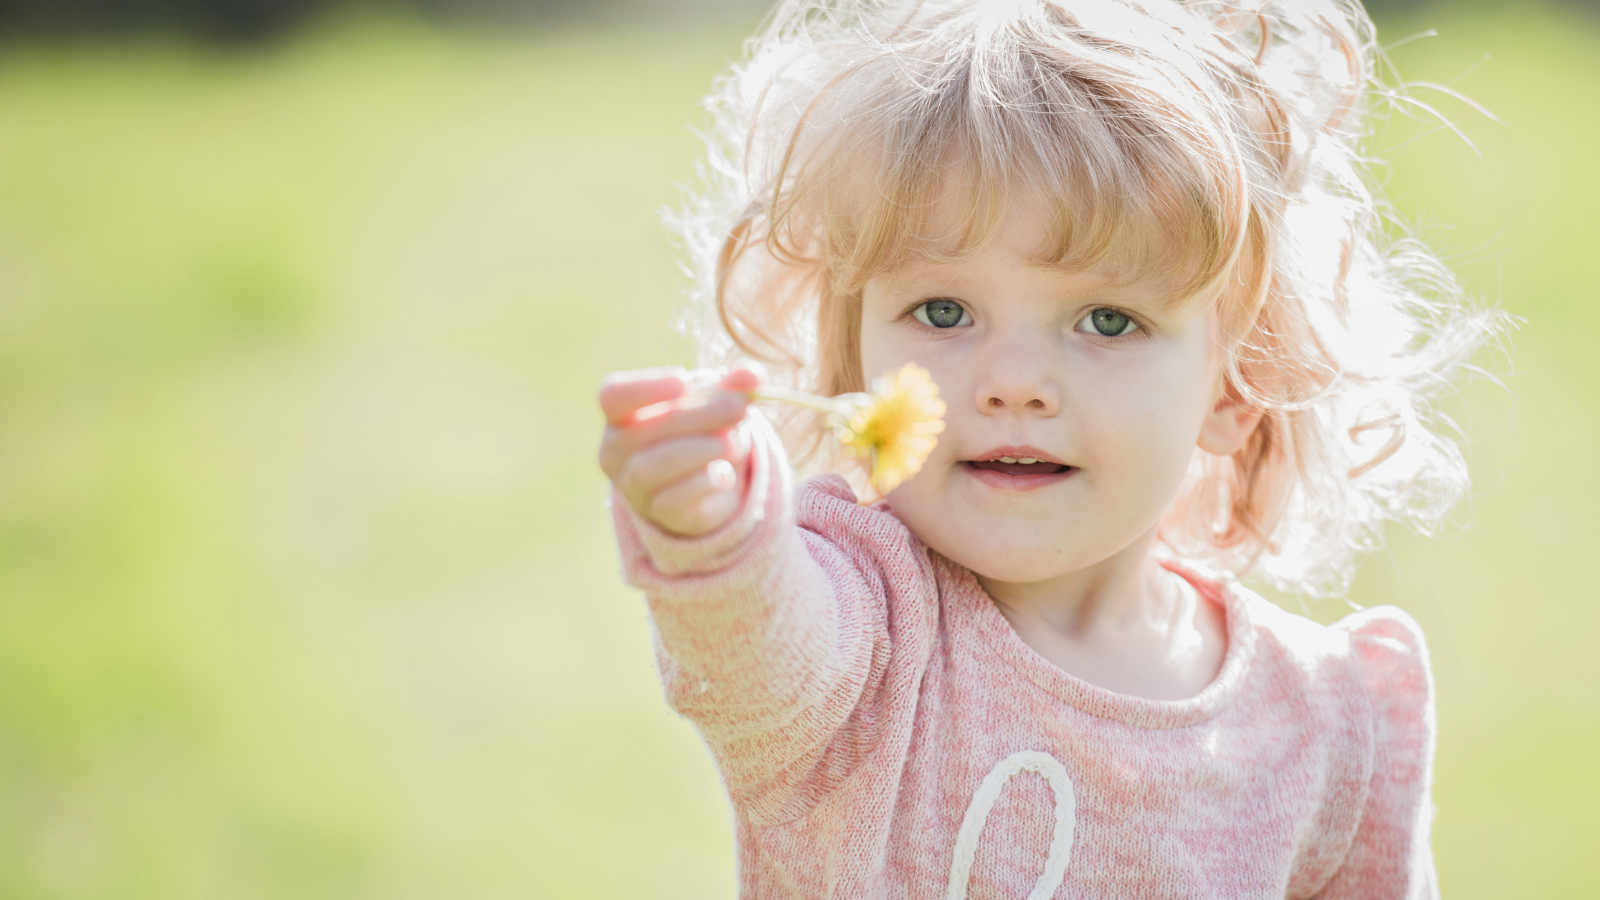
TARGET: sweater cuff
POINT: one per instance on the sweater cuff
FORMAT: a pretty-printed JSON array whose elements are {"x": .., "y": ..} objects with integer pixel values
[{"x": 650, "y": 552}]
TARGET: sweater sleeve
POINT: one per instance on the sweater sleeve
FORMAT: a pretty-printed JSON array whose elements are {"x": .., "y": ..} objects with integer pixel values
[
  {"x": 1390, "y": 855},
  {"x": 751, "y": 640}
]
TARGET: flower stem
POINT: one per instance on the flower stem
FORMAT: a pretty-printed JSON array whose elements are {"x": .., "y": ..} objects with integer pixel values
[{"x": 798, "y": 398}]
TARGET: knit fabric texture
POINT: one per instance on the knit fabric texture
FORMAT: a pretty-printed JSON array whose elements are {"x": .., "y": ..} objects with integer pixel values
[{"x": 883, "y": 732}]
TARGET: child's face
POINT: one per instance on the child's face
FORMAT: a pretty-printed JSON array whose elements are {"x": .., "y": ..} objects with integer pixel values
[{"x": 1086, "y": 372}]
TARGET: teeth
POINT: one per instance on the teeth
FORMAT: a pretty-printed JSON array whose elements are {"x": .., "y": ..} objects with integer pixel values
[{"x": 1008, "y": 460}]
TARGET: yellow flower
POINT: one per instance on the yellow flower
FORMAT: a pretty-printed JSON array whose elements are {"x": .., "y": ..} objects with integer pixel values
[{"x": 894, "y": 426}]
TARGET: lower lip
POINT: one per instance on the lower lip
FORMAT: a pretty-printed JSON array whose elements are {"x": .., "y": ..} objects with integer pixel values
[{"x": 1005, "y": 482}]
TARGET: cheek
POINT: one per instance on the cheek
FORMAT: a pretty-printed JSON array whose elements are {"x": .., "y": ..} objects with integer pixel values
[
  {"x": 1142, "y": 420},
  {"x": 883, "y": 348},
  {"x": 876, "y": 357},
  {"x": 874, "y": 333}
]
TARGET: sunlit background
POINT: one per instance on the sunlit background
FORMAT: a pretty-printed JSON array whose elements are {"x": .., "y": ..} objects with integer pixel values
[{"x": 306, "y": 585}]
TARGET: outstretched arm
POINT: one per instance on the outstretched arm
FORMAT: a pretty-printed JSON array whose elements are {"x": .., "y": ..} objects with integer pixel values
[{"x": 767, "y": 636}]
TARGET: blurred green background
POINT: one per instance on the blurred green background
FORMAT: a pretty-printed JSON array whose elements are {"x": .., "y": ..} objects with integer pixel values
[{"x": 306, "y": 585}]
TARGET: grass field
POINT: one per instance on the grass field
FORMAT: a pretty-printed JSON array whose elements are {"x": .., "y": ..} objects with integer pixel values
[{"x": 306, "y": 586}]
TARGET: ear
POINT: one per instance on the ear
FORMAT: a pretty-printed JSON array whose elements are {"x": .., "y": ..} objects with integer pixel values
[{"x": 1229, "y": 424}]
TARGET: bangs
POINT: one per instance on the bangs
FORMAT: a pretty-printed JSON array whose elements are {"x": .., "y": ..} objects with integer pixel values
[{"x": 921, "y": 154}]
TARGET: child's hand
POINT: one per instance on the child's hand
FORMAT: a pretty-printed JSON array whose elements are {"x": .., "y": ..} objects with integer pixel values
[{"x": 679, "y": 460}]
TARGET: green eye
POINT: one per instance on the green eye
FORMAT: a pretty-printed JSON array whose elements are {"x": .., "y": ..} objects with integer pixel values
[
  {"x": 1107, "y": 323},
  {"x": 942, "y": 314}
]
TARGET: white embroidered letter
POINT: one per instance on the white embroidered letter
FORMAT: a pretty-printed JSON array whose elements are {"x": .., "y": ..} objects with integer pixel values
[{"x": 1055, "y": 865}]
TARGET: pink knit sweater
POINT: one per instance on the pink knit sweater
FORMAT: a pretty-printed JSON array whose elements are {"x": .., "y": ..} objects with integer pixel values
[{"x": 884, "y": 733}]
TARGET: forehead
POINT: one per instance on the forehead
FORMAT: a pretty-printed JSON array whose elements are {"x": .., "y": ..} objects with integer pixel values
[{"x": 1027, "y": 240}]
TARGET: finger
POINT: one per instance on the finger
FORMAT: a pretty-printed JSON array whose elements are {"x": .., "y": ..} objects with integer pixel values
[
  {"x": 709, "y": 415},
  {"x": 699, "y": 503},
  {"x": 709, "y": 514},
  {"x": 624, "y": 393},
  {"x": 620, "y": 447},
  {"x": 738, "y": 441},
  {"x": 744, "y": 378},
  {"x": 657, "y": 466}
]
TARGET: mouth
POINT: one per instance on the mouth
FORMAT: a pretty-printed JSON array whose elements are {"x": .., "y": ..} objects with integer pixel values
[{"x": 1018, "y": 468}]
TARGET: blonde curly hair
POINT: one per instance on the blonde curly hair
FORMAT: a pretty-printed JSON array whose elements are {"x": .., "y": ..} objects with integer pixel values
[{"x": 1215, "y": 141}]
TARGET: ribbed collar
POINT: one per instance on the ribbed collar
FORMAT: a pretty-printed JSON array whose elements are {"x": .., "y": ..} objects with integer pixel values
[{"x": 972, "y": 610}]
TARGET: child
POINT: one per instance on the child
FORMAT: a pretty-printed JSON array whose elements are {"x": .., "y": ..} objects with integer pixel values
[{"x": 1131, "y": 242}]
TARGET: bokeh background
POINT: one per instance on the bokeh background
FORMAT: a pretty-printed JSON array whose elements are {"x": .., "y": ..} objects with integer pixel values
[{"x": 306, "y": 584}]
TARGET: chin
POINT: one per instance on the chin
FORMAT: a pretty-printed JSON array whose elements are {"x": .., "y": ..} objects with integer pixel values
[{"x": 1011, "y": 562}]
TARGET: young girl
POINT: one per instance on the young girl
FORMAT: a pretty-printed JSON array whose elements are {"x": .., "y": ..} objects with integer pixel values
[{"x": 1132, "y": 243}]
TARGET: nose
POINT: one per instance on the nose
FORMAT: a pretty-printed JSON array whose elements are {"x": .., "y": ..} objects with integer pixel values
[{"x": 1017, "y": 380}]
